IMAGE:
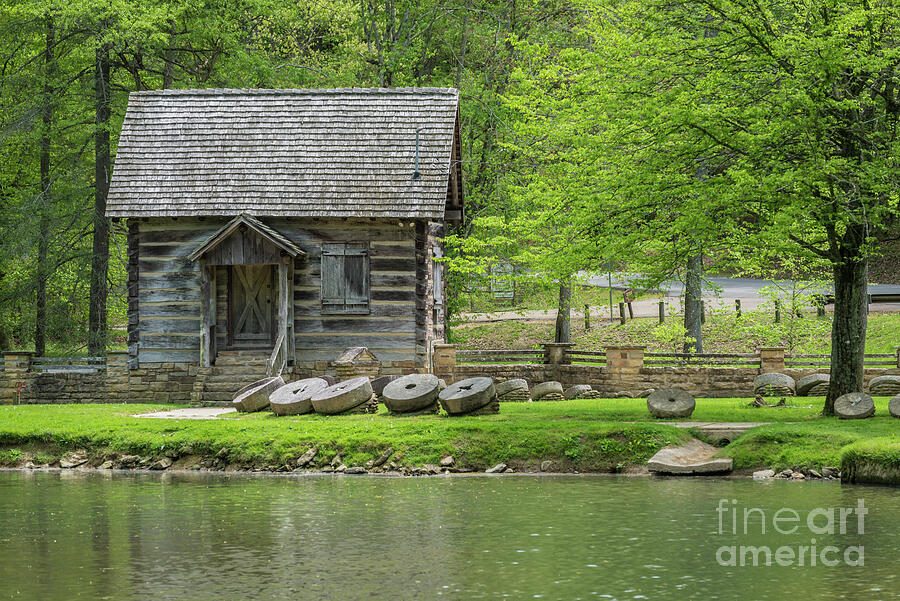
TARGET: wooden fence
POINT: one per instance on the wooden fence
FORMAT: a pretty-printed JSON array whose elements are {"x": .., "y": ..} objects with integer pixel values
[
  {"x": 500, "y": 356},
  {"x": 824, "y": 360},
  {"x": 702, "y": 359}
]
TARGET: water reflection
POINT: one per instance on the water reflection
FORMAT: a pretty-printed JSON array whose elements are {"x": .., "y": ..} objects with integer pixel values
[{"x": 196, "y": 536}]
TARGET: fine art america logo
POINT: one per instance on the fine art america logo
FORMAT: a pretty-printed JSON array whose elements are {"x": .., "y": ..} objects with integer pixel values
[{"x": 822, "y": 521}]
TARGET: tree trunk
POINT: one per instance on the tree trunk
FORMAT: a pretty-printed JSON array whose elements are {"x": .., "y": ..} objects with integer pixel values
[
  {"x": 102, "y": 166},
  {"x": 564, "y": 313},
  {"x": 848, "y": 331},
  {"x": 41, "y": 272},
  {"x": 693, "y": 309}
]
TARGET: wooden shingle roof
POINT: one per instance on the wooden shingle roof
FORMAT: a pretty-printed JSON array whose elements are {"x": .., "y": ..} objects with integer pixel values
[{"x": 302, "y": 153}]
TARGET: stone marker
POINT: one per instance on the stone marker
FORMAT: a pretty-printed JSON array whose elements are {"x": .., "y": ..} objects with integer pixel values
[
  {"x": 578, "y": 391},
  {"x": 343, "y": 396},
  {"x": 515, "y": 391},
  {"x": 670, "y": 402},
  {"x": 411, "y": 393},
  {"x": 813, "y": 385},
  {"x": 468, "y": 396},
  {"x": 380, "y": 382},
  {"x": 894, "y": 406},
  {"x": 256, "y": 396},
  {"x": 774, "y": 384},
  {"x": 854, "y": 405},
  {"x": 294, "y": 398},
  {"x": 544, "y": 388},
  {"x": 884, "y": 386}
]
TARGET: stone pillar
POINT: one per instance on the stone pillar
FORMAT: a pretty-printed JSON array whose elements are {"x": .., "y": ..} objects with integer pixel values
[
  {"x": 444, "y": 361},
  {"x": 624, "y": 359},
  {"x": 17, "y": 365},
  {"x": 117, "y": 376},
  {"x": 771, "y": 358},
  {"x": 555, "y": 353}
]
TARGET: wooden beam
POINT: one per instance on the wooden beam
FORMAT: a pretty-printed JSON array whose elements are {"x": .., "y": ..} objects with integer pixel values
[
  {"x": 284, "y": 304},
  {"x": 207, "y": 314}
]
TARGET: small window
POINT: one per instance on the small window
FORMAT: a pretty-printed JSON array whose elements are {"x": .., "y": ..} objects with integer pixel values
[{"x": 345, "y": 277}]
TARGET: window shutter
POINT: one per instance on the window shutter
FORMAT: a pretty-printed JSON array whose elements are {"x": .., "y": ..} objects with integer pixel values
[{"x": 345, "y": 278}]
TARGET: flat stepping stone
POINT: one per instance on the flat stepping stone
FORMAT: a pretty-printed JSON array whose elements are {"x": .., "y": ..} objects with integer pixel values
[
  {"x": 695, "y": 458},
  {"x": 189, "y": 413}
]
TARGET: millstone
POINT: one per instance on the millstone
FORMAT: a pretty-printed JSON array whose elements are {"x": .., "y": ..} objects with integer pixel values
[
  {"x": 510, "y": 385},
  {"x": 552, "y": 396},
  {"x": 894, "y": 406},
  {"x": 467, "y": 395},
  {"x": 670, "y": 402},
  {"x": 380, "y": 382},
  {"x": 578, "y": 391},
  {"x": 515, "y": 396},
  {"x": 807, "y": 384},
  {"x": 256, "y": 396},
  {"x": 431, "y": 409},
  {"x": 411, "y": 393},
  {"x": 592, "y": 394},
  {"x": 855, "y": 405},
  {"x": 818, "y": 390},
  {"x": 294, "y": 398},
  {"x": 774, "y": 384},
  {"x": 343, "y": 396},
  {"x": 545, "y": 388},
  {"x": 491, "y": 408},
  {"x": 370, "y": 406},
  {"x": 885, "y": 386},
  {"x": 330, "y": 379}
]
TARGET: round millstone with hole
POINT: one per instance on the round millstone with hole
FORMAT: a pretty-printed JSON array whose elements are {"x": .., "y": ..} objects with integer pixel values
[
  {"x": 515, "y": 391},
  {"x": 774, "y": 384},
  {"x": 812, "y": 385},
  {"x": 854, "y": 405},
  {"x": 411, "y": 393},
  {"x": 343, "y": 396},
  {"x": 670, "y": 402},
  {"x": 467, "y": 395},
  {"x": 540, "y": 391},
  {"x": 885, "y": 386},
  {"x": 894, "y": 406},
  {"x": 255, "y": 396},
  {"x": 295, "y": 398}
]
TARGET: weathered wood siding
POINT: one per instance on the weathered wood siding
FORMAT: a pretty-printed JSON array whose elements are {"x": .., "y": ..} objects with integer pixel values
[{"x": 169, "y": 290}]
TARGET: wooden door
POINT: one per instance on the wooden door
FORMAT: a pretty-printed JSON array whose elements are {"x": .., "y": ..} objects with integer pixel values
[{"x": 252, "y": 306}]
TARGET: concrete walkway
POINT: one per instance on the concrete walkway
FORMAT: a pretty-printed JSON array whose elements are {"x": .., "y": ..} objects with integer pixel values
[{"x": 190, "y": 413}]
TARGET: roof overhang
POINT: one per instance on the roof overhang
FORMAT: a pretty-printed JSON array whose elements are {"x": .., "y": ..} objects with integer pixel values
[{"x": 271, "y": 235}]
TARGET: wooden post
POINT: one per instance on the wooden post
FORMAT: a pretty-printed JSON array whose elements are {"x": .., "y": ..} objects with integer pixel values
[
  {"x": 207, "y": 314},
  {"x": 291, "y": 321},
  {"x": 737, "y": 306},
  {"x": 662, "y": 312},
  {"x": 622, "y": 313},
  {"x": 777, "y": 311},
  {"x": 587, "y": 318},
  {"x": 284, "y": 302},
  {"x": 820, "y": 306}
]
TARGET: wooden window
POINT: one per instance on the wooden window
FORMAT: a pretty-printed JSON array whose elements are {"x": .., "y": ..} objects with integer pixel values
[{"x": 345, "y": 277}]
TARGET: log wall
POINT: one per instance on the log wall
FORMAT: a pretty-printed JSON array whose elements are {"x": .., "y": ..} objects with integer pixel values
[{"x": 168, "y": 292}]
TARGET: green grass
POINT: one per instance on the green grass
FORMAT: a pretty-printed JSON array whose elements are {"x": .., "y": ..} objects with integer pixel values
[
  {"x": 722, "y": 333},
  {"x": 524, "y": 434},
  {"x": 583, "y": 435}
]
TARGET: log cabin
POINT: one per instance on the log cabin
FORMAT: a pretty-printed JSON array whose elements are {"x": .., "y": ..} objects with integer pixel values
[{"x": 290, "y": 223}]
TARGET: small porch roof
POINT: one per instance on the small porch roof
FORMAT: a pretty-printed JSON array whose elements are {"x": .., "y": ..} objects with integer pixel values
[{"x": 268, "y": 233}]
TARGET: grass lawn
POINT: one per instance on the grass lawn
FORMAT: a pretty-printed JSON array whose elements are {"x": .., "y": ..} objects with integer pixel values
[
  {"x": 722, "y": 333},
  {"x": 584, "y": 435}
]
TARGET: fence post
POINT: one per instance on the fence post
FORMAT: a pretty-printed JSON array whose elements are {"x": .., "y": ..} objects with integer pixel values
[
  {"x": 587, "y": 318},
  {"x": 662, "y": 312},
  {"x": 777, "y": 311},
  {"x": 771, "y": 358},
  {"x": 622, "y": 313},
  {"x": 897, "y": 348},
  {"x": 17, "y": 364},
  {"x": 737, "y": 306},
  {"x": 555, "y": 355},
  {"x": 444, "y": 361}
]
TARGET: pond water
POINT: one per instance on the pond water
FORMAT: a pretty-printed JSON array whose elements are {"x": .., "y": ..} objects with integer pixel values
[{"x": 198, "y": 537}]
